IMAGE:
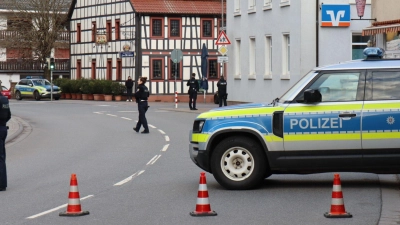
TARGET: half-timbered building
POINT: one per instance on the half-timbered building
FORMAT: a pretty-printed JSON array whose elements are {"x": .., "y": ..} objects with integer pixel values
[{"x": 114, "y": 39}]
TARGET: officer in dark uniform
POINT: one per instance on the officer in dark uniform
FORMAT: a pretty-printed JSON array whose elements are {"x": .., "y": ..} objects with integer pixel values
[
  {"x": 5, "y": 115},
  {"x": 193, "y": 89},
  {"x": 222, "y": 95},
  {"x": 141, "y": 95}
]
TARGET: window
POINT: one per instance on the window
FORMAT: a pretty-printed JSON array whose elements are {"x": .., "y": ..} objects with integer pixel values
[
  {"x": 117, "y": 30},
  {"x": 237, "y": 59},
  {"x": 78, "y": 69},
  {"x": 284, "y": 3},
  {"x": 157, "y": 69},
  {"x": 108, "y": 30},
  {"x": 175, "y": 70},
  {"x": 78, "y": 33},
  {"x": 109, "y": 69},
  {"x": 175, "y": 28},
  {"x": 94, "y": 30},
  {"x": 206, "y": 28},
  {"x": 286, "y": 57},
  {"x": 93, "y": 67},
  {"x": 157, "y": 27},
  {"x": 252, "y": 6},
  {"x": 386, "y": 85},
  {"x": 335, "y": 87},
  {"x": 213, "y": 69},
  {"x": 359, "y": 43},
  {"x": 119, "y": 69},
  {"x": 236, "y": 7},
  {"x": 268, "y": 57},
  {"x": 267, "y": 4},
  {"x": 252, "y": 58}
]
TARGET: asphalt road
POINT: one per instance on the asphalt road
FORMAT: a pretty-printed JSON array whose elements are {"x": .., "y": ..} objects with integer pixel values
[{"x": 131, "y": 178}]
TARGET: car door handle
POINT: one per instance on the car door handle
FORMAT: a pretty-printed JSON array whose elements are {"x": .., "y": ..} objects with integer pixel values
[{"x": 347, "y": 115}]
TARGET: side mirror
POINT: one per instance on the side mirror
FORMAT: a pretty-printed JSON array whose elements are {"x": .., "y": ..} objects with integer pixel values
[
  {"x": 30, "y": 85},
  {"x": 312, "y": 96}
]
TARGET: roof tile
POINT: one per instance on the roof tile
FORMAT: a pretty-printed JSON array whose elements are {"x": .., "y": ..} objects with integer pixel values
[{"x": 178, "y": 6}]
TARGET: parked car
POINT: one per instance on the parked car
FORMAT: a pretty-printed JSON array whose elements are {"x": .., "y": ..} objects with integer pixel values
[
  {"x": 337, "y": 118},
  {"x": 5, "y": 92},
  {"x": 36, "y": 88}
]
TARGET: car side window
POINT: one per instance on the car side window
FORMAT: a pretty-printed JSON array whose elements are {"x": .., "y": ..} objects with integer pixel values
[
  {"x": 28, "y": 82},
  {"x": 336, "y": 87},
  {"x": 386, "y": 85},
  {"x": 22, "y": 82}
]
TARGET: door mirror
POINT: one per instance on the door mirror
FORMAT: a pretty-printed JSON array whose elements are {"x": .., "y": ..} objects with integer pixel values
[{"x": 312, "y": 96}]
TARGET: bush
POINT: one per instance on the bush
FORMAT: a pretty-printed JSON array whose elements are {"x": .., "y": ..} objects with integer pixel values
[
  {"x": 75, "y": 86},
  {"x": 85, "y": 86},
  {"x": 96, "y": 86},
  {"x": 117, "y": 88},
  {"x": 107, "y": 90},
  {"x": 65, "y": 86}
]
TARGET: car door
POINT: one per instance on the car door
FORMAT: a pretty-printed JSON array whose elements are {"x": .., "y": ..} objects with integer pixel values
[
  {"x": 326, "y": 134},
  {"x": 381, "y": 120}
]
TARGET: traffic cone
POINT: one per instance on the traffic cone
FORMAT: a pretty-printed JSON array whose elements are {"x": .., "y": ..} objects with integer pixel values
[
  {"x": 337, "y": 204},
  {"x": 203, "y": 207},
  {"x": 74, "y": 204}
]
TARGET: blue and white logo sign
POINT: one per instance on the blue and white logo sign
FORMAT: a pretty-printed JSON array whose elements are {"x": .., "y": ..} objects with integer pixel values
[{"x": 335, "y": 15}]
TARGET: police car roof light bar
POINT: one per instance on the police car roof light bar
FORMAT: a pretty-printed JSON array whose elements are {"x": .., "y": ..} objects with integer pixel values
[{"x": 373, "y": 53}]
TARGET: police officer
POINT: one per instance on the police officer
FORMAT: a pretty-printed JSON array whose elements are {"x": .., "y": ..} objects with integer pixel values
[
  {"x": 5, "y": 115},
  {"x": 193, "y": 89},
  {"x": 141, "y": 95},
  {"x": 222, "y": 95}
]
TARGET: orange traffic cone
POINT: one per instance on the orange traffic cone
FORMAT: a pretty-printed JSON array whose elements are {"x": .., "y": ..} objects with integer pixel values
[
  {"x": 74, "y": 204},
  {"x": 337, "y": 205},
  {"x": 203, "y": 207}
]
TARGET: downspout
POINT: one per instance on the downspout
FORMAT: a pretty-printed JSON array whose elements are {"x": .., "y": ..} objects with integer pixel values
[
  {"x": 317, "y": 33},
  {"x": 138, "y": 49}
]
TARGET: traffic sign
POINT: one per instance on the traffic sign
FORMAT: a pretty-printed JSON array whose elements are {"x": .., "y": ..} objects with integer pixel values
[
  {"x": 223, "y": 59},
  {"x": 176, "y": 55},
  {"x": 223, "y": 50},
  {"x": 222, "y": 39}
]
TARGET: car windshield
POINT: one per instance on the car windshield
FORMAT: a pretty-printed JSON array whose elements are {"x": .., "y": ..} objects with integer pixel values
[
  {"x": 293, "y": 91},
  {"x": 41, "y": 82}
]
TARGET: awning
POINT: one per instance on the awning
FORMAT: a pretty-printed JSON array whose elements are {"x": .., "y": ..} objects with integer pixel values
[{"x": 382, "y": 27}]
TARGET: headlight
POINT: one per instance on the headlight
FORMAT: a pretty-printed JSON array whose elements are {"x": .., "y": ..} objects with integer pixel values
[{"x": 198, "y": 126}]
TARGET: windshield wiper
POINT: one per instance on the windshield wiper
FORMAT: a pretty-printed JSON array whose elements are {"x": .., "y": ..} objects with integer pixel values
[{"x": 276, "y": 100}]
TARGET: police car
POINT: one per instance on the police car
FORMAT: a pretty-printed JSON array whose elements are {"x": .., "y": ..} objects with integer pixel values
[
  {"x": 37, "y": 88},
  {"x": 337, "y": 118}
]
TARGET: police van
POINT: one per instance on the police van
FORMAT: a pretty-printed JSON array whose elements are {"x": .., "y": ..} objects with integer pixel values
[{"x": 337, "y": 118}]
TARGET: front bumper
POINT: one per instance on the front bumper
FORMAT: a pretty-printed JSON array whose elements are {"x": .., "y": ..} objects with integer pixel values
[
  {"x": 199, "y": 157},
  {"x": 48, "y": 95}
]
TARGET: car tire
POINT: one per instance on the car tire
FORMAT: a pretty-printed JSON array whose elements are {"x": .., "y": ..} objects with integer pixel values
[
  {"x": 18, "y": 95},
  {"x": 57, "y": 98},
  {"x": 36, "y": 95},
  {"x": 238, "y": 163}
]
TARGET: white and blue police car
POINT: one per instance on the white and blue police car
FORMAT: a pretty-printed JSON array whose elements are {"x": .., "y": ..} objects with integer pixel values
[
  {"x": 338, "y": 118},
  {"x": 36, "y": 87}
]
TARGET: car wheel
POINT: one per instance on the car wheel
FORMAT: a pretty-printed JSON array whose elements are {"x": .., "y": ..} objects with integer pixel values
[
  {"x": 36, "y": 95},
  {"x": 238, "y": 163},
  {"x": 57, "y": 98},
  {"x": 18, "y": 95}
]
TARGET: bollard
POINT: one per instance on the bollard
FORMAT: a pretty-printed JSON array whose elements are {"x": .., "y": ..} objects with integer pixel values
[{"x": 176, "y": 99}]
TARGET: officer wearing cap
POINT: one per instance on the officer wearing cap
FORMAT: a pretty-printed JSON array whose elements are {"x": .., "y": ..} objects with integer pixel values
[
  {"x": 5, "y": 115},
  {"x": 193, "y": 89},
  {"x": 141, "y": 95}
]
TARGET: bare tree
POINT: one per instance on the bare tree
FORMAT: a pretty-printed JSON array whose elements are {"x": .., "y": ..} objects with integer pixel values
[{"x": 38, "y": 26}]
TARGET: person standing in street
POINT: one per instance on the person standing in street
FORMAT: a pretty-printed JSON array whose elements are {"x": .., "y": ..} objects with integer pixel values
[
  {"x": 129, "y": 86},
  {"x": 222, "y": 95},
  {"x": 141, "y": 95},
  {"x": 193, "y": 89},
  {"x": 5, "y": 116}
]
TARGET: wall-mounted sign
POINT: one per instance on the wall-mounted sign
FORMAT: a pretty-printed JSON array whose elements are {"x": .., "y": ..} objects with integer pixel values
[
  {"x": 360, "y": 5},
  {"x": 335, "y": 15},
  {"x": 126, "y": 47},
  {"x": 101, "y": 39},
  {"x": 127, "y": 54}
]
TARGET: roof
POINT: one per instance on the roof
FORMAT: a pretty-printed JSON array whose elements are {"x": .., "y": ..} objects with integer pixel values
[
  {"x": 211, "y": 7},
  {"x": 364, "y": 64}
]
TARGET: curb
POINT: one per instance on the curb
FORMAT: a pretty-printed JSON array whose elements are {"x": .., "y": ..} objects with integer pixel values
[{"x": 17, "y": 121}]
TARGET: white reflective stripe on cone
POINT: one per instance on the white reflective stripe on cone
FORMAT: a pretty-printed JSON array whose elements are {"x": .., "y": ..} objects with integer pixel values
[
  {"x": 337, "y": 188},
  {"x": 202, "y": 201},
  {"x": 337, "y": 201},
  {"x": 74, "y": 201},
  {"x": 202, "y": 187}
]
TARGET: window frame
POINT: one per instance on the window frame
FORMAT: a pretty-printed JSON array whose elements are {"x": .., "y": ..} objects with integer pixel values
[
  {"x": 151, "y": 27},
  {"x": 180, "y": 28},
  {"x": 201, "y": 28},
  {"x": 252, "y": 57},
  {"x": 180, "y": 68},
  {"x": 285, "y": 56},
  {"x": 162, "y": 69},
  {"x": 268, "y": 57}
]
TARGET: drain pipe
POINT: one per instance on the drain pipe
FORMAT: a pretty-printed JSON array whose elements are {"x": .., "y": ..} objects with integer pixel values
[{"x": 317, "y": 33}]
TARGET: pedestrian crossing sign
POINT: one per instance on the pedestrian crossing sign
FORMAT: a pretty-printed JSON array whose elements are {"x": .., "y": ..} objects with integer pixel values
[{"x": 222, "y": 39}]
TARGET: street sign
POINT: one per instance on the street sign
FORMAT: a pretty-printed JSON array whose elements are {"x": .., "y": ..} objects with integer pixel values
[
  {"x": 176, "y": 55},
  {"x": 222, "y": 39},
  {"x": 127, "y": 54},
  {"x": 223, "y": 59},
  {"x": 223, "y": 50}
]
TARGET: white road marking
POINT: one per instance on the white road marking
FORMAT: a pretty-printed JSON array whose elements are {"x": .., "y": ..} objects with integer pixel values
[
  {"x": 126, "y": 111},
  {"x": 161, "y": 131},
  {"x": 98, "y": 112},
  {"x": 155, "y": 159},
  {"x": 103, "y": 105},
  {"x": 152, "y": 126},
  {"x": 129, "y": 178},
  {"x": 166, "y": 138},
  {"x": 111, "y": 115},
  {"x": 151, "y": 160},
  {"x": 165, "y": 148},
  {"x": 125, "y": 118},
  {"x": 54, "y": 209}
]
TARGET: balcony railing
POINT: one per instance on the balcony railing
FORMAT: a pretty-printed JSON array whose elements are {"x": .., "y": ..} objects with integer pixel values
[
  {"x": 7, "y": 34},
  {"x": 61, "y": 65}
]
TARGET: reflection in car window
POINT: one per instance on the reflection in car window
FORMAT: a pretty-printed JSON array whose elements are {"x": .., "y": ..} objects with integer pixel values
[
  {"x": 386, "y": 85},
  {"x": 336, "y": 87},
  {"x": 38, "y": 82}
]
